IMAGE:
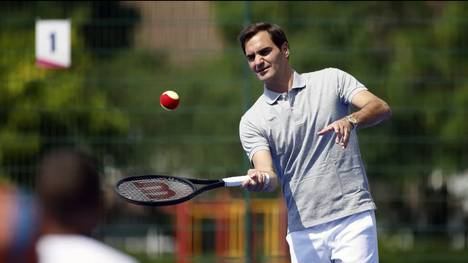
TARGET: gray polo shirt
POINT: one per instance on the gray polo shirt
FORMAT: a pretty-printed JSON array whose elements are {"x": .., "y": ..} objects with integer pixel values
[{"x": 320, "y": 180}]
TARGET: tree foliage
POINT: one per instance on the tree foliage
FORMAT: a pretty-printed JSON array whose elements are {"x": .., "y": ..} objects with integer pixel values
[{"x": 41, "y": 108}]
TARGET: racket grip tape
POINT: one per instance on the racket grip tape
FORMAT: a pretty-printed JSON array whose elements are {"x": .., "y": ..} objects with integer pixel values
[{"x": 235, "y": 180}]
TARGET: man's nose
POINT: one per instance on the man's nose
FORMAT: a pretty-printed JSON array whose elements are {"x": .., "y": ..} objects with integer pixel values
[{"x": 258, "y": 60}]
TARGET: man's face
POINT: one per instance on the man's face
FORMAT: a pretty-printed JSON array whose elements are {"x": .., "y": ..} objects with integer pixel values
[{"x": 265, "y": 58}]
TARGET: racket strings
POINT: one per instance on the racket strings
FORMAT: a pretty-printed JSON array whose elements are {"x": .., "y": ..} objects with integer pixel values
[{"x": 155, "y": 189}]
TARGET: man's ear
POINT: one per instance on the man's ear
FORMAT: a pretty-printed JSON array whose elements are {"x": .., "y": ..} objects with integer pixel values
[{"x": 285, "y": 49}]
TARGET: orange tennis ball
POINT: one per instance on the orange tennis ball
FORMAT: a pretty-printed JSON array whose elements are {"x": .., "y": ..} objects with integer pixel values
[{"x": 169, "y": 100}]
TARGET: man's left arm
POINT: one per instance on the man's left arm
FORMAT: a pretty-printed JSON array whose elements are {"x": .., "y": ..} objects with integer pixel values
[{"x": 371, "y": 110}]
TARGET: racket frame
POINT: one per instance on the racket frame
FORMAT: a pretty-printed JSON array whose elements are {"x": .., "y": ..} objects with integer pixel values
[{"x": 198, "y": 186}]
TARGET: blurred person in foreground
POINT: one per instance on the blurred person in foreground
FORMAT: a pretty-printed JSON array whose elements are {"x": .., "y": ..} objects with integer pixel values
[
  {"x": 19, "y": 225},
  {"x": 302, "y": 134},
  {"x": 68, "y": 187}
]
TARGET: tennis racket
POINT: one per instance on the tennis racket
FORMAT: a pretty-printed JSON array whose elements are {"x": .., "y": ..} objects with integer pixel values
[{"x": 159, "y": 190}]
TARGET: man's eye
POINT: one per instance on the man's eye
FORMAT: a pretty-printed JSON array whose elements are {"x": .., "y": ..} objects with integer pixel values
[
  {"x": 265, "y": 52},
  {"x": 250, "y": 58}
]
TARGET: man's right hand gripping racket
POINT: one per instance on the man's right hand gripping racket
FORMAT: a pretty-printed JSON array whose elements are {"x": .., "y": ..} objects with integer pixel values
[{"x": 159, "y": 190}]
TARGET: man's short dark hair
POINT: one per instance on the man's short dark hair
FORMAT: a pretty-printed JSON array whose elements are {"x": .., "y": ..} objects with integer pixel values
[
  {"x": 277, "y": 34},
  {"x": 68, "y": 187}
]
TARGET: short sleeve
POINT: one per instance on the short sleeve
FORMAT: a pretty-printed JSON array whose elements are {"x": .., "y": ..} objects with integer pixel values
[
  {"x": 348, "y": 86},
  {"x": 251, "y": 137}
]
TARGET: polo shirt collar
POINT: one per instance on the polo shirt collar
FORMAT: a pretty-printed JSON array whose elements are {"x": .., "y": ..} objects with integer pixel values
[{"x": 271, "y": 96}]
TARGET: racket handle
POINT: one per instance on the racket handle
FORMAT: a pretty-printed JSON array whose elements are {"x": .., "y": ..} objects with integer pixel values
[{"x": 234, "y": 181}]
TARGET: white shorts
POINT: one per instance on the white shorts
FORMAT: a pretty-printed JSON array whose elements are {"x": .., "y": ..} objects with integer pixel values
[{"x": 351, "y": 239}]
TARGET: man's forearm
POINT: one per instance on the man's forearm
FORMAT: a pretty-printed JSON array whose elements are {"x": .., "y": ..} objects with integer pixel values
[{"x": 372, "y": 113}]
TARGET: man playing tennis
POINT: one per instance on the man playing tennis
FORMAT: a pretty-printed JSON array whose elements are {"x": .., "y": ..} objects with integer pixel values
[{"x": 300, "y": 132}]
